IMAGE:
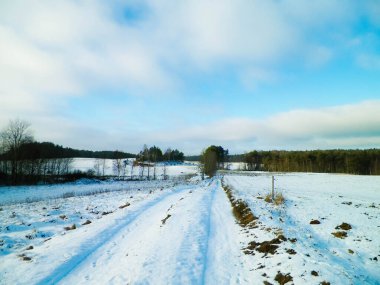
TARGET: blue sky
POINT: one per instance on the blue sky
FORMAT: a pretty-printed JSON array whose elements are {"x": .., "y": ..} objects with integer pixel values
[{"x": 247, "y": 75}]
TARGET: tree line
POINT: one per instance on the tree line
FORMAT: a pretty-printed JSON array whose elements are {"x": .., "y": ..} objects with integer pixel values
[
  {"x": 364, "y": 162},
  {"x": 47, "y": 150},
  {"x": 146, "y": 163},
  {"x": 26, "y": 161},
  {"x": 155, "y": 154}
]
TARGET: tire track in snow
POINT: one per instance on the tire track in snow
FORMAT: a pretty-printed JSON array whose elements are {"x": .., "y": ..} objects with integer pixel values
[
  {"x": 101, "y": 239},
  {"x": 146, "y": 251},
  {"x": 196, "y": 244},
  {"x": 208, "y": 229}
]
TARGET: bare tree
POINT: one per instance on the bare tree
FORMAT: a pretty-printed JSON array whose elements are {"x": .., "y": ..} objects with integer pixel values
[
  {"x": 103, "y": 166},
  {"x": 132, "y": 166},
  {"x": 164, "y": 172},
  {"x": 125, "y": 164},
  {"x": 97, "y": 164},
  {"x": 15, "y": 134},
  {"x": 66, "y": 165},
  {"x": 118, "y": 167}
]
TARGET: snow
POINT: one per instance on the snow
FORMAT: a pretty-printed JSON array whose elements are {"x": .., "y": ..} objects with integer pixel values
[
  {"x": 331, "y": 199},
  {"x": 172, "y": 169},
  {"x": 19, "y": 194},
  {"x": 183, "y": 232}
]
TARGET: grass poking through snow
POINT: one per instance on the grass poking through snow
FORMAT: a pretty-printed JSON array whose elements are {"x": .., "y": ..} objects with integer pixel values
[{"x": 279, "y": 199}]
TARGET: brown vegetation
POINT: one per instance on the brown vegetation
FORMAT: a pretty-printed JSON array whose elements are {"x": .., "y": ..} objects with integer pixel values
[
  {"x": 283, "y": 279},
  {"x": 24, "y": 257},
  {"x": 73, "y": 227},
  {"x": 340, "y": 234},
  {"x": 344, "y": 226},
  {"x": 165, "y": 219},
  {"x": 266, "y": 246},
  {"x": 240, "y": 210},
  {"x": 124, "y": 206},
  {"x": 279, "y": 199},
  {"x": 291, "y": 251},
  {"x": 86, "y": 223}
]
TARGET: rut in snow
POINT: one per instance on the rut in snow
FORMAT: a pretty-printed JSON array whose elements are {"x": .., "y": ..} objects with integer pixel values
[{"x": 98, "y": 241}]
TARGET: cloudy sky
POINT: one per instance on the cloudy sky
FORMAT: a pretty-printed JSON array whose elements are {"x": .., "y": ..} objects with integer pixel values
[{"x": 273, "y": 74}]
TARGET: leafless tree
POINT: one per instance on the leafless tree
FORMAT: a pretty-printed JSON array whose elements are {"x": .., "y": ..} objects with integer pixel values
[
  {"x": 117, "y": 166},
  {"x": 164, "y": 172},
  {"x": 15, "y": 134},
  {"x": 97, "y": 166},
  {"x": 124, "y": 166},
  {"x": 132, "y": 166}
]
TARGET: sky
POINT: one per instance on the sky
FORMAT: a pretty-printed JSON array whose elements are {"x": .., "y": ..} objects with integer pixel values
[{"x": 273, "y": 74}]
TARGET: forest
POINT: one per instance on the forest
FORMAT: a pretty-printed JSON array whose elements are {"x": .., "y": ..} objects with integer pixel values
[
  {"x": 352, "y": 161},
  {"x": 46, "y": 150},
  {"x": 26, "y": 161},
  {"x": 364, "y": 162},
  {"x": 155, "y": 154}
]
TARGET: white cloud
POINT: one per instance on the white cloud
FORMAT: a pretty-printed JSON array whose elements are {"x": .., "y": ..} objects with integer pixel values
[
  {"x": 69, "y": 47},
  {"x": 346, "y": 126},
  {"x": 53, "y": 50}
]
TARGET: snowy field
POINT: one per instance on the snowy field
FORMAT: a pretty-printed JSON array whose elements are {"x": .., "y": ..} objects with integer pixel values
[
  {"x": 85, "y": 164},
  {"x": 170, "y": 232},
  {"x": 325, "y": 198}
]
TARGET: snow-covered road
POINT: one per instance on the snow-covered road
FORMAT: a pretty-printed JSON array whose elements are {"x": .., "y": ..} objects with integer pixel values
[
  {"x": 187, "y": 234},
  {"x": 164, "y": 241}
]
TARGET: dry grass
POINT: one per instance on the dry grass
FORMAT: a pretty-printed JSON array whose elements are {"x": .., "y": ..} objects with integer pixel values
[
  {"x": 279, "y": 199},
  {"x": 268, "y": 198},
  {"x": 240, "y": 209},
  {"x": 242, "y": 213}
]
